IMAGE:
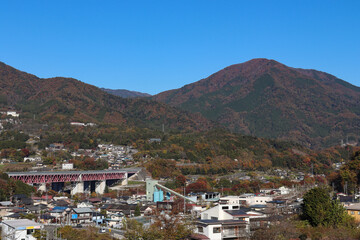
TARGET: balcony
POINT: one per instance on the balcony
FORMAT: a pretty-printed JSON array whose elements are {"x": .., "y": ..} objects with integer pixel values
[{"x": 234, "y": 233}]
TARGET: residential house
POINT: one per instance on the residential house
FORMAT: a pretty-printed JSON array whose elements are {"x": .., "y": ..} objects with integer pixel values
[
  {"x": 354, "y": 211},
  {"x": 252, "y": 199},
  {"x": 36, "y": 209},
  {"x": 115, "y": 220},
  {"x": 81, "y": 215},
  {"x": 98, "y": 218},
  {"x": 224, "y": 221},
  {"x": 19, "y": 229}
]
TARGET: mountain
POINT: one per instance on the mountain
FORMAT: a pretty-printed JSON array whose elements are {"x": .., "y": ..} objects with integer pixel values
[
  {"x": 68, "y": 99},
  {"x": 125, "y": 93},
  {"x": 265, "y": 98}
]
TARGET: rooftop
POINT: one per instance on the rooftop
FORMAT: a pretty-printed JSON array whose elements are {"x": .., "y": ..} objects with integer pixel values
[
  {"x": 83, "y": 210},
  {"x": 355, "y": 206},
  {"x": 237, "y": 213},
  {"x": 223, "y": 222},
  {"x": 21, "y": 223}
]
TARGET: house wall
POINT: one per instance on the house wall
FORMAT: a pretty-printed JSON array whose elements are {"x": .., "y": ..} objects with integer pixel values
[
  {"x": 218, "y": 212},
  {"x": 355, "y": 214},
  {"x": 209, "y": 232},
  {"x": 19, "y": 234},
  {"x": 256, "y": 199}
]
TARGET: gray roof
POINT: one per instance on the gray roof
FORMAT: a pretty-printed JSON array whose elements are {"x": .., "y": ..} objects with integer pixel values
[
  {"x": 6, "y": 203},
  {"x": 83, "y": 210},
  {"x": 355, "y": 207},
  {"x": 21, "y": 223},
  {"x": 237, "y": 212}
]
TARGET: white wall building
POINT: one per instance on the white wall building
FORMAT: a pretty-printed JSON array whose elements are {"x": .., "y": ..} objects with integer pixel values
[
  {"x": 254, "y": 200},
  {"x": 12, "y": 113},
  {"x": 224, "y": 221},
  {"x": 19, "y": 229},
  {"x": 67, "y": 166}
]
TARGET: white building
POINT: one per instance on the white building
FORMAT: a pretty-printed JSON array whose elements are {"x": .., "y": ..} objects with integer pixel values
[
  {"x": 12, "y": 113},
  {"x": 77, "y": 124},
  {"x": 249, "y": 200},
  {"x": 224, "y": 222},
  {"x": 67, "y": 166},
  {"x": 284, "y": 190},
  {"x": 32, "y": 159},
  {"x": 19, "y": 229}
]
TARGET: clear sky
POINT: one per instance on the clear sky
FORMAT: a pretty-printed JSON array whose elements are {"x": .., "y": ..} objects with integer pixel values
[{"x": 152, "y": 46}]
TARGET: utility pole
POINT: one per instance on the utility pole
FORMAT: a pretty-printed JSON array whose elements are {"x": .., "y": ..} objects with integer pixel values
[
  {"x": 345, "y": 188},
  {"x": 184, "y": 203}
]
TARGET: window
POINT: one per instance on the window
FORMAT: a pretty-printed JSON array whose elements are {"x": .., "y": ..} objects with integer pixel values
[
  {"x": 216, "y": 230},
  {"x": 29, "y": 231},
  {"x": 214, "y": 218},
  {"x": 235, "y": 207},
  {"x": 200, "y": 229},
  {"x": 352, "y": 212},
  {"x": 225, "y": 207},
  {"x": 358, "y": 212}
]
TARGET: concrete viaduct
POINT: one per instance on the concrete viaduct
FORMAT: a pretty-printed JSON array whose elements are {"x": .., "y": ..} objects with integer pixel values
[{"x": 79, "y": 181}]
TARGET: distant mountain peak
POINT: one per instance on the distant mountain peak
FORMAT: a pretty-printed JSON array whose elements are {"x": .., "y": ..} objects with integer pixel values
[
  {"x": 125, "y": 93},
  {"x": 265, "y": 98},
  {"x": 68, "y": 99}
]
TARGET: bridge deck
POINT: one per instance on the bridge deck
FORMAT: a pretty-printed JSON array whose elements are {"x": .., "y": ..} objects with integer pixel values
[{"x": 71, "y": 176}]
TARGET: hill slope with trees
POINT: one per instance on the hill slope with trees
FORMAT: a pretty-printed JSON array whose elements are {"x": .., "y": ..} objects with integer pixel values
[
  {"x": 265, "y": 98},
  {"x": 67, "y": 99},
  {"x": 125, "y": 93}
]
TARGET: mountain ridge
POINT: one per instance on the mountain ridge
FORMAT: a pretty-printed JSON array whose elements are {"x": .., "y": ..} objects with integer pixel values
[
  {"x": 265, "y": 98},
  {"x": 125, "y": 93},
  {"x": 68, "y": 99}
]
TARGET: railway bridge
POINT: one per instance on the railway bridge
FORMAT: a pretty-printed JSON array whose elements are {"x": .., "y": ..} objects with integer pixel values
[{"x": 74, "y": 181}]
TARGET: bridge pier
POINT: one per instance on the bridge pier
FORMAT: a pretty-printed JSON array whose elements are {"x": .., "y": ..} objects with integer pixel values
[
  {"x": 125, "y": 181},
  {"x": 78, "y": 188},
  {"x": 100, "y": 187}
]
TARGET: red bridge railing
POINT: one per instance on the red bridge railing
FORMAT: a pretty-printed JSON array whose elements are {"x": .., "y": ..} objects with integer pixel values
[{"x": 51, "y": 177}]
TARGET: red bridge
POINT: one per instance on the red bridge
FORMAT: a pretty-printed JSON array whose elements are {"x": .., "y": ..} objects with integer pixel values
[{"x": 71, "y": 176}]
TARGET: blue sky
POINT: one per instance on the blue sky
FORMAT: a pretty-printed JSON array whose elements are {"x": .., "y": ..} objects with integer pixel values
[{"x": 152, "y": 46}]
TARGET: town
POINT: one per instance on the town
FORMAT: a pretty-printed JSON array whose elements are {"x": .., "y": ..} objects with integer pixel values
[
  {"x": 179, "y": 120},
  {"x": 118, "y": 193}
]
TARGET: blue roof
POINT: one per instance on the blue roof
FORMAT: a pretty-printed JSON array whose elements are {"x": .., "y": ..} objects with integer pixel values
[
  {"x": 59, "y": 208},
  {"x": 258, "y": 206},
  {"x": 277, "y": 201}
]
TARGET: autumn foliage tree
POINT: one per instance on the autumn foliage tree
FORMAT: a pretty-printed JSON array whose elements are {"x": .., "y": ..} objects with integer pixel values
[{"x": 201, "y": 185}]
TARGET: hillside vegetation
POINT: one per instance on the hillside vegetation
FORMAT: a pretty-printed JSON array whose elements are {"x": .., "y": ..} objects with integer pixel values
[
  {"x": 265, "y": 98},
  {"x": 66, "y": 99}
]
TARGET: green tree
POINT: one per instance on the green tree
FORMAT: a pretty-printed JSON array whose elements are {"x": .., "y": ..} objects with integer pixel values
[
  {"x": 320, "y": 210},
  {"x": 137, "y": 211}
]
